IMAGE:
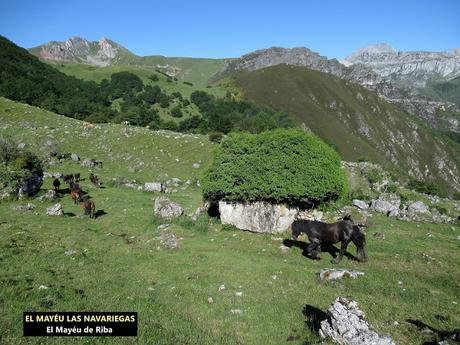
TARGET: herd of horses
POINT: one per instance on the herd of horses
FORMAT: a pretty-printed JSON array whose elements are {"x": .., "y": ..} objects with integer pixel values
[{"x": 77, "y": 194}]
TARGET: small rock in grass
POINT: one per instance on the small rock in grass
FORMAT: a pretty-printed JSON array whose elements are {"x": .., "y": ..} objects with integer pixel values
[
  {"x": 284, "y": 248},
  {"x": 222, "y": 287},
  {"x": 236, "y": 312},
  {"x": 334, "y": 274},
  {"x": 43, "y": 287},
  {"x": 210, "y": 300},
  {"x": 238, "y": 294}
]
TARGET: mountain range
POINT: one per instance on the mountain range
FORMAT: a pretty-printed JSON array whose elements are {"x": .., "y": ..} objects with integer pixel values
[
  {"x": 403, "y": 78},
  {"x": 338, "y": 103}
]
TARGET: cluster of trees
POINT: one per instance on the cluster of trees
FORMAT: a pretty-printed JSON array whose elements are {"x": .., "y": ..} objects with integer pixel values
[{"x": 24, "y": 78}]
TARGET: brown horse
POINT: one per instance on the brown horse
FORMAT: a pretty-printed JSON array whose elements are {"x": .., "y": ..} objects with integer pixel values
[
  {"x": 89, "y": 207},
  {"x": 75, "y": 196}
]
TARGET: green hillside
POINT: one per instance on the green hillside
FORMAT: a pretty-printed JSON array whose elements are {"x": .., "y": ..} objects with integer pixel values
[
  {"x": 97, "y": 74},
  {"x": 355, "y": 121},
  {"x": 117, "y": 262}
]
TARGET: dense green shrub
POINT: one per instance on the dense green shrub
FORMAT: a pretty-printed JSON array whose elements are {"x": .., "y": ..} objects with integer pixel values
[
  {"x": 16, "y": 166},
  {"x": 426, "y": 187},
  {"x": 283, "y": 166},
  {"x": 176, "y": 111}
]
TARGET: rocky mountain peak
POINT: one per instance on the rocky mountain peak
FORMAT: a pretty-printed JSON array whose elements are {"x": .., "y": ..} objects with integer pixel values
[
  {"x": 80, "y": 50},
  {"x": 370, "y": 51}
]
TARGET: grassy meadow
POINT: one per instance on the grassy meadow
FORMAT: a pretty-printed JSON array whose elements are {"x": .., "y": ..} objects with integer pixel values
[{"x": 118, "y": 263}]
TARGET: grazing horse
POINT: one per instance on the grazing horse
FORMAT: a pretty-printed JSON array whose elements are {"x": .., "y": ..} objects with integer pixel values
[
  {"x": 69, "y": 179},
  {"x": 56, "y": 184},
  {"x": 75, "y": 192},
  {"x": 89, "y": 207},
  {"x": 95, "y": 180},
  {"x": 320, "y": 233}
]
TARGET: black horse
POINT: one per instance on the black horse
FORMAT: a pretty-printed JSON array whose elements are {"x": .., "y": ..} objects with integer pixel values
[
  {"x": 320, "y": 233},
  {"x": 56, "y": 184}
]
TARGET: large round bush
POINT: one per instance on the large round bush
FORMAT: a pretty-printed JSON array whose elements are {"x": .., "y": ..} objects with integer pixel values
[{"x": 282, "y": 166}]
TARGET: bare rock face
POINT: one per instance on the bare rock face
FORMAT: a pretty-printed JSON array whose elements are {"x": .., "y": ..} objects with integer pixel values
[
  {"x": 362, "y": 205},
  {"x": 346, "y": 324},
  {"x": 387, "y": 203},
  {"x": 165, "y": 208},
  {"x": 55, "y": 210},
  {"x": 260, "y": 217}
]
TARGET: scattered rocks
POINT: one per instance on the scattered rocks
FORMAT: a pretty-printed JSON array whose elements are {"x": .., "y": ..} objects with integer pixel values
[
  {"x": 55, "y": 210},
  {"x": 346, "y": 324},
  {"x": 417, "y": 207},
  {"x": 362, "y": 205},
  {"x": 165, "y": 208},
  {"x": 387, "y": 203},
  {"x": 329, "y": 274},
  {"x": 74, "y": 157},
  {"x": 70, "y": 252},
  {"x": 169, "y": 240},
  {"x": 260, "y": 217},
  {"x": 154, "y": 187},
  {"x": 87, "y": 163},
  {"x": 50, "y": 195},
  {"x": 27, "y": 207}
]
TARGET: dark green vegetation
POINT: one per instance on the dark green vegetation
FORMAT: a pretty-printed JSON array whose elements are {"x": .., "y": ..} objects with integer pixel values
[
  {"x": 16, "y": 166},
  {"x": 125, "y": 97},
  {"x": 282, "y": 166},
  {"x": 355, "y": 121},
  {"x": 229, "y": 115},
  {"x": 424, "y": 187},
  {"x": 116, "y": 262}
]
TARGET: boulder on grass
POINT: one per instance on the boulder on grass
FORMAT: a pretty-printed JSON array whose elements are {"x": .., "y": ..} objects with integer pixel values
[{"x": 165, "y": 208}]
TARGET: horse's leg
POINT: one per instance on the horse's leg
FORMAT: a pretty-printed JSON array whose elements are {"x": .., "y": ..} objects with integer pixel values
[
  {"x": 343, "y": 249},
  {"x": 313, "y": 249}
]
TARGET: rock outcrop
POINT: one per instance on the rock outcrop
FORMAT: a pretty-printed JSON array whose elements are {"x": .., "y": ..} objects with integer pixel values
[
  {"x": 153, "y": 187},
  {"x": 387, "y": 203},
  {"x": 55, "y": 210},
  {"x": 260, "y": 217},
  {"x": 346, "y": 324},
  {"x": 165, "y": 208}
]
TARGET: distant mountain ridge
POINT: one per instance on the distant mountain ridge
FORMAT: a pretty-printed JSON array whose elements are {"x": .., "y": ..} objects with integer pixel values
[
  {"x": 417, "y": 104},
  {"x": 103, "y": 53},
  {"x": 412, "y": 69},
  {"x": 106, "y": 52}
]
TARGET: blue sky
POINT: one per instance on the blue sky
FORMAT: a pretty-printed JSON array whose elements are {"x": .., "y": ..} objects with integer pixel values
[{"x": 233, "y": 27}]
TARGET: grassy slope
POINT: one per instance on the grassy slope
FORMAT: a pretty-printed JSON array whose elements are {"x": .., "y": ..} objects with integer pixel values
[
  {"x": 444, "y": 91},
  {"x": 95, "y": 73},
  {"x": 169, "y": 288},
  {"x": 354, "y": 120}
]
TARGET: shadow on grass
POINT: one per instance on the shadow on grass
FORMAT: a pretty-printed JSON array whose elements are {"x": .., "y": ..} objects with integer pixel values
[
  {"x": 332, "y": 250},
  {"x": 439, "y": 334},
  {"x": 69, "y": 214},
  {"x": 99, "y": 213},
  {"x": 314, "y": 316}
]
